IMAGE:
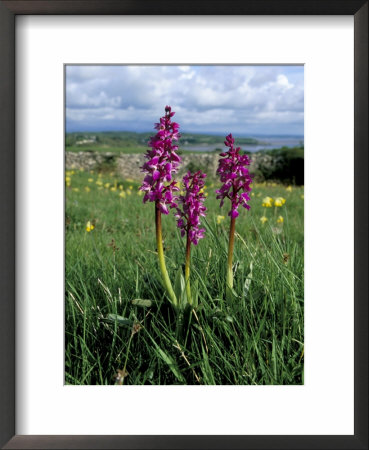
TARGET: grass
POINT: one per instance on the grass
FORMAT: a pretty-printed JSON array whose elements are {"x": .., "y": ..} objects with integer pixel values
[{"x": 257, "y": 338}]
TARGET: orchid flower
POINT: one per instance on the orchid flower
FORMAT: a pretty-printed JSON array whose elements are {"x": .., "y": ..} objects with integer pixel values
[
  {"x": 159, "y": 186},
  {"x": 188, "y": 217},
  {"x": 236, "y": 179}
]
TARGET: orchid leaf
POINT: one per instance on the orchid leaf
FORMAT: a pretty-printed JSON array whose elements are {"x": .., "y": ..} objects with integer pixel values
[
  {"x": 121, "y": 321},
  {"x": 231, "y": 294},
  {"x": 180, "y": 288},
  {"x": 141, "y": 302}
]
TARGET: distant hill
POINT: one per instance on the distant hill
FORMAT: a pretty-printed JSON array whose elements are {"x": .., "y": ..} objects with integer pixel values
[
  {"x": 285, "y": 164},
  {"x": 127, "y": 140}
]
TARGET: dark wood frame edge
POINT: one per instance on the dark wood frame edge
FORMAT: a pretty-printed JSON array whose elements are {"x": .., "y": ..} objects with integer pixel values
[{"x": 8, "y": 12}]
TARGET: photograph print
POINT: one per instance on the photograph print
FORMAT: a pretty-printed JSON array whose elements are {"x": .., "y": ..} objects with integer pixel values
[{"x": 184, "y": 225}]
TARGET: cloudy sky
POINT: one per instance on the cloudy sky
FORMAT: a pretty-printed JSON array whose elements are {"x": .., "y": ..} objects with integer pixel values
[{"x": 244, "y": 100}]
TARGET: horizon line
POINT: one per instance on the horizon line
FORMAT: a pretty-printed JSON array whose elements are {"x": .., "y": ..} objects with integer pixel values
[{"x": 211, "y": 133}]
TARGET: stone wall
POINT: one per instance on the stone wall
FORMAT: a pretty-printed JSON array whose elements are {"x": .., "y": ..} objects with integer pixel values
[{"x": 128, "y": 166}]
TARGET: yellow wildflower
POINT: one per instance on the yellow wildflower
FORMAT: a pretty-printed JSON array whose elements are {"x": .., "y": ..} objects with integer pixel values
[
  {"x": 68, "y": 181},
  {"x": 129, "y": 192},
  {"x": 302, "y": 196},
  {"x": 122, "y": 194},
  {"x": 252, "y": 194},
  {"x": 120, "y": 187},
  {"x": 280, "y": 219},
  {"x": 130, "y": 180},
  {"x": 90, "y": 180},
  {"x": 263, "y": 219},
  {"x": 267, "y": 202},
  {"x": 75, "y": 189},
  {"x": 131, "y": 187},
  {"x": 87, "y": 189},
  {"x": 113, "y": 189},
  {"x": 89, "y": 226},
  {"x": 279, "y": 201},
  {"x": 107, "y": 185},
  {"x": 99, "y": 182},
  {"x": 289, "y": 189},
  {"x": 220, "y": 219},
  {"x": 81, "y": 169},
  {"x": 140, "y": 193}
]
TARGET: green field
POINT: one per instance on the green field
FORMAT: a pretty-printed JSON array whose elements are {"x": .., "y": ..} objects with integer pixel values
[
  {"x": 256, "y": 338},
  {"x": 129, "y": 139}
]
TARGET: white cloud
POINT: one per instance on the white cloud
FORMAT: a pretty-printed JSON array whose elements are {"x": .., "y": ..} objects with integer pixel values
[
  {"x": 282, "y": 80},
  {"x": 212, "y": 97}
]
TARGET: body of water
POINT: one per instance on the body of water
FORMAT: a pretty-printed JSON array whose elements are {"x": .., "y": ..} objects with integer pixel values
[{"x": 264, "y": 143}]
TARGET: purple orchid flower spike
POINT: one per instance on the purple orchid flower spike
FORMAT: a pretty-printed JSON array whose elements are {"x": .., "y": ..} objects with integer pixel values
[
  {"x": 234, "y": 174},
  {"x": 162, "y": 163},
  {"x": 191, "y": 208},
  {"x": 236, "y": 179},
  {"x": 159, "y": 186}
]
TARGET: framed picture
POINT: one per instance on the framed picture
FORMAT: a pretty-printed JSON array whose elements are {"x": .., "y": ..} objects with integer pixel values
[{"x": 253, "y": 358}]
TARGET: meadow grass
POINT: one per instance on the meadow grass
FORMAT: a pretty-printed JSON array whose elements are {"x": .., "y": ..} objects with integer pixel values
[{"x": 254, "y": 338}]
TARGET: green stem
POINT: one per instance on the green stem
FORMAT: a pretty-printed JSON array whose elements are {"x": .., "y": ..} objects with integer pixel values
[
  {"x": 163, "y": 268},
  {"x": 187, "y": 270},
  {"x": 230, "y": 253}
]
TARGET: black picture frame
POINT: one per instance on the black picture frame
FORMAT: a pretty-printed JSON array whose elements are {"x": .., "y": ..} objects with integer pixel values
[{"x": 8, "y": 12}]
